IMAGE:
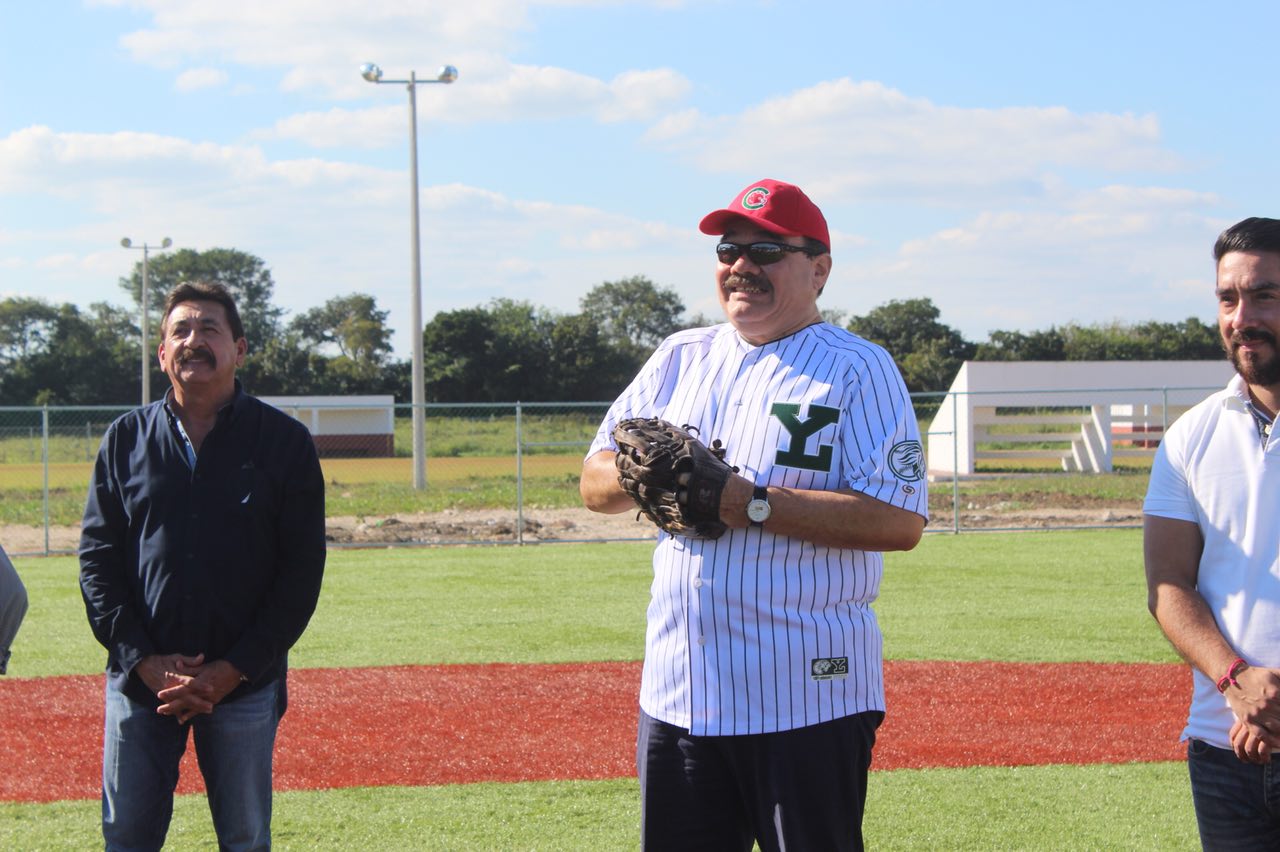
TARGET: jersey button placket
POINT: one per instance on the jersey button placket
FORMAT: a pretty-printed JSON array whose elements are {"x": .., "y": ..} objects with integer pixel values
[{"x": 698, "y": 583}]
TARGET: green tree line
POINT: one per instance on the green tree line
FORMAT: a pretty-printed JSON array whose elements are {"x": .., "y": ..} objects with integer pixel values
[{"x": 504, "y": 351}]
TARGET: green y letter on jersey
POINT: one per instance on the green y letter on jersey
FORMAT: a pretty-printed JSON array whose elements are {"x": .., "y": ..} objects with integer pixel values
[{"x": 820, "y": 416}]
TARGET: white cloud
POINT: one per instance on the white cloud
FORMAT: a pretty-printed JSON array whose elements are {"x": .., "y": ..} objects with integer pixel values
[
  {"x": 327, "y": 40},
  {"x": 525, "y": 93},
  {"x": 844, "y": 137},
  {"x": 249, "y": 32},
  {"x": 641, "y": 95},
  {"x": 200, "y": 78},
  {"x": 337, "y": 127},
  {"x": 323, "y": 227},
  {"x": 58, "y": 261},
  {"x": 38, "y": 159},
  {"x": 1120, "y": 253}
]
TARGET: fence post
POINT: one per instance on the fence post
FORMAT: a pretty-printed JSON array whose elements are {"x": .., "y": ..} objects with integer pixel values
[
  {"x": 44, "y": 452},
  {"x": 519, "y": 475},
  {"x": 955, "y": 464}
]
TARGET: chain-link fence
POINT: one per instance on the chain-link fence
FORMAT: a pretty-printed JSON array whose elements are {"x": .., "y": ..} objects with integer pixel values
[
  {"x": 500, "y": 473},
  {"x": 508, "y": 473},
  {"x": 1040, "y": 458},
  {"x": 45, "y": 458}
]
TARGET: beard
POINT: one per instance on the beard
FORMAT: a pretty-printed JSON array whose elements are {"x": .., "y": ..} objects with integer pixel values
[{"x": 1252, "y": 367}]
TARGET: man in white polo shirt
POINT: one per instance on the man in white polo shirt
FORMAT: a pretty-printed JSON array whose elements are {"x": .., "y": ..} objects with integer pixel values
[{"x": 1212, "y": 547}]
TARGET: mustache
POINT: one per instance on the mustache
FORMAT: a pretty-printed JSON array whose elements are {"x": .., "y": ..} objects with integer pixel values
[
  {"x": 748, "y": 279},
  {"x": 1252, "y": 335},
  {"x": 190, "y": 355}
]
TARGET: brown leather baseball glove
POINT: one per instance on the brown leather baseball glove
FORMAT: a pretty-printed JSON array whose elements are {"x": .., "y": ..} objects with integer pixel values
[{"x": 675, "y": 479}]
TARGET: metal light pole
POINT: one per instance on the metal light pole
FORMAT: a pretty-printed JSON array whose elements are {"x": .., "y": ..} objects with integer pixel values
[
  {"x": 447, "y": 74},
  {"x": 146, "y": 354}
]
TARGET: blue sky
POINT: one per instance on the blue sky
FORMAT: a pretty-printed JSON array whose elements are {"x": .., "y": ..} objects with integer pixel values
[{"x": 1023, "y": 165}]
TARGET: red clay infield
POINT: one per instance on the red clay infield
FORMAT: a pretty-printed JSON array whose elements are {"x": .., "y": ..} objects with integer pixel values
[{"x": 428, "y": 725}]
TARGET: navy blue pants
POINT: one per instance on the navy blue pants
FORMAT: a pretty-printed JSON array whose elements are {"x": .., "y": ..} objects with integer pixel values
[
  {"x": 1237, "y": 803},
  {"x": 793, "y": 790}
]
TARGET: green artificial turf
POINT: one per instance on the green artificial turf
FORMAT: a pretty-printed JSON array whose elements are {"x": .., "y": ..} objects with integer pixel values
[
  {"x": 1129, "y": 806},
  {"x": 1052, "y": 596},
  {"x": 406, "y": 606},
  {"x": 1061, "y": 596},
  {"x": 1040, "y": 597}
]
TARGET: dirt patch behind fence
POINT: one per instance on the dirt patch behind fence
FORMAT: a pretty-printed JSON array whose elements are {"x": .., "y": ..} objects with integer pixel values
[{"x": 504, "y": 526}]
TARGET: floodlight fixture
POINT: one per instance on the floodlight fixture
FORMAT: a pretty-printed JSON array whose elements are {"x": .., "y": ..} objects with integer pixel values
[{"x": 142, "y": 306}]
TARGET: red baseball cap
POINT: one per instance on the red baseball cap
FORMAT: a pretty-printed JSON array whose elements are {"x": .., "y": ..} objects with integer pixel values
[{"x": 773, "y": 205}]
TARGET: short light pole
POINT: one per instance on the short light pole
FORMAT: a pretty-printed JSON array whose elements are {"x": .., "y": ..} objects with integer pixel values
[
  {"x": 447, "y": 74},
  {"x": 146, "y": 346}
]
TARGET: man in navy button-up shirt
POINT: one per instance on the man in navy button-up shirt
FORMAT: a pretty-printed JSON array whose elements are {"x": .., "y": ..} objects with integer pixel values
[{"x": 201, "y": 556}]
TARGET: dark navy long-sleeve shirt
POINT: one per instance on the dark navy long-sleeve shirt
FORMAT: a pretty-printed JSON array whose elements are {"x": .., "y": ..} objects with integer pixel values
[{"x": 224, "y": 558}]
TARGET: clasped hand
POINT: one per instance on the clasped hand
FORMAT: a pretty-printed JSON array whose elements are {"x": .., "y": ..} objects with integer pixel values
[
  {"x": 1255, "y": 701},
  {"x": 187, "y": 686}
]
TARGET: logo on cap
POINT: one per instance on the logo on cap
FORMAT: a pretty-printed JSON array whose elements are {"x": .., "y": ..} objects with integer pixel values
[{"x": 755, "y": 198}]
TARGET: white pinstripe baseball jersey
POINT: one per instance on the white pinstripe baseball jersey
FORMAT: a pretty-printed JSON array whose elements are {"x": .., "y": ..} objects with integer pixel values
[{"x": 752, "y": 632}]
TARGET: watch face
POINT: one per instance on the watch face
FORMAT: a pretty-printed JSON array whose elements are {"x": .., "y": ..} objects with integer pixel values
[{"x": 758, "y": 511}]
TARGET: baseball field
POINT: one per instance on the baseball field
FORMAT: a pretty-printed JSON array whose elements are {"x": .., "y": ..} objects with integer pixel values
[{"x": 485, "y": 698}]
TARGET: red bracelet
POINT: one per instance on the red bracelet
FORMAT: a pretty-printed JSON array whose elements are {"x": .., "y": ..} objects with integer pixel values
[{"x": 1230, "y": 677}]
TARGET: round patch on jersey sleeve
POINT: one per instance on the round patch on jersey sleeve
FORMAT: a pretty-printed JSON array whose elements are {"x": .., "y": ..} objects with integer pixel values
[{"x": 906, "y": 460}]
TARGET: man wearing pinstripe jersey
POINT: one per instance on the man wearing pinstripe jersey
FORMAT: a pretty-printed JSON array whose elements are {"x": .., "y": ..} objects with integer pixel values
[{"x": 762, "y": 686}]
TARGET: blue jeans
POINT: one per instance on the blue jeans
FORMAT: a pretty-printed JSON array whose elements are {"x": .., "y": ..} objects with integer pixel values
[
  {"x": 1237, "y": 803},
  {"x": 140, "y": 755}
]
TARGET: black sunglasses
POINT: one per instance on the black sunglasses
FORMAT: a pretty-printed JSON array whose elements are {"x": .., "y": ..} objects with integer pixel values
[{"x": 761, "y": 254}]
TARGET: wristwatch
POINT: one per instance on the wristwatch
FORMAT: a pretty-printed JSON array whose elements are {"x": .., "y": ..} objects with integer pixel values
[{"x": 758, "y": 510}]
